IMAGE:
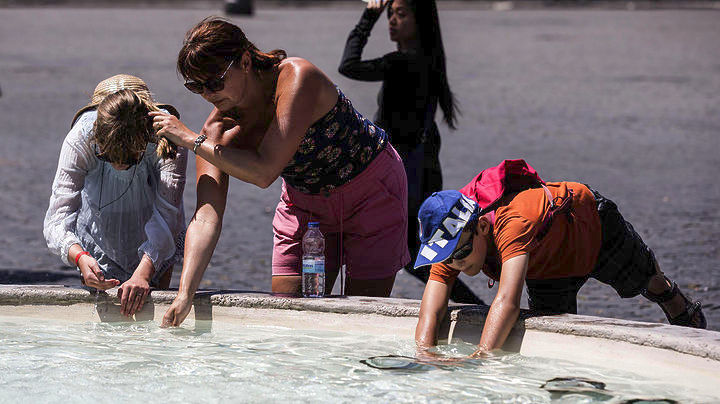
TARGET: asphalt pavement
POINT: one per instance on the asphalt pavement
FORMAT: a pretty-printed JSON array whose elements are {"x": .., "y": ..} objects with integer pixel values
[{"x": 626, "y": 101}]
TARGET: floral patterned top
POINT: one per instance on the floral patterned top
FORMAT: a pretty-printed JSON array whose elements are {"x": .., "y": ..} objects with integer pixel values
[{"x": 336, "y": 148}]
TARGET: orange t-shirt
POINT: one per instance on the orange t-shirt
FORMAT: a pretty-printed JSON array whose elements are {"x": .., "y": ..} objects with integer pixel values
[{"x": 567, "y": 250}]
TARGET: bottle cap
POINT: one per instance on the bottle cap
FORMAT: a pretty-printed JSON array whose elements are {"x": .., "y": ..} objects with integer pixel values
[{"x": 314, "y": 224}]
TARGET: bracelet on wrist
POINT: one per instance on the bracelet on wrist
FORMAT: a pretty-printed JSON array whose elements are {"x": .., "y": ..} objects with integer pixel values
[
  {"x": 198, "y": 141},
  {"x": 77, "y": 257}
]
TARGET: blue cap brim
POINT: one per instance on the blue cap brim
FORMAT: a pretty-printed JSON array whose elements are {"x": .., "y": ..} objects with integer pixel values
[{"x": 428, "y": 255}]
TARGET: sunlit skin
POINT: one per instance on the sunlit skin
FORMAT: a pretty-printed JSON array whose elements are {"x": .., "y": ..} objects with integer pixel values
[
  {"x": 259, "y": 120},
  {"x": 473, "y": 263},
  {"x": 505, "y": 307}
]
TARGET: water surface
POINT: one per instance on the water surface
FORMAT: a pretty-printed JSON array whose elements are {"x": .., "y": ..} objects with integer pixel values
[{"x": 57, "y": 361}]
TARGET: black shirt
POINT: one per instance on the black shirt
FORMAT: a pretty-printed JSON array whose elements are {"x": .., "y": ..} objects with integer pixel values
[{"x": 406, "y": 107}]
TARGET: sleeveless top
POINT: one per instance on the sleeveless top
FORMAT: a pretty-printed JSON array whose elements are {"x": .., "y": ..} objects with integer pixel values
[{"x": 335, "y": 149}]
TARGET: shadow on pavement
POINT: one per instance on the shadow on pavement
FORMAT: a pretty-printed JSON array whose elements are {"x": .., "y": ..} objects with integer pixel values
[{"x": 17, "y": 276}]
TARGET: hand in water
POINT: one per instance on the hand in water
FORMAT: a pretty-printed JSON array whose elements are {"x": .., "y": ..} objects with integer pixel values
[
  {"x": 132, "y": 295},
  {"x": 480, "y": 353},
  {"x": 92, "y": 276},
  {"x": 430, "y": 357},
  {"x": 177, "y": 312}
]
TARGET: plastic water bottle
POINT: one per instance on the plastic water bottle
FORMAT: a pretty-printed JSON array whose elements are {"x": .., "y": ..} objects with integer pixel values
[{"x": 313, "y": 262}]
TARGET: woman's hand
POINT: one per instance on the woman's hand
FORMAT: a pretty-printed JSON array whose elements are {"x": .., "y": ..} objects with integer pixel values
[
  {"x": 92, "y": 276},
  {"x": 132, "y": 294},
  {"x": 177, "y": 312},
  {"x": 377, "y": 5},
  {"x": 172, "y": 128}
]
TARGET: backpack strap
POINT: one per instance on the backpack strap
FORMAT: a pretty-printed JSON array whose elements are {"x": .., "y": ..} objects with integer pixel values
[{"x": 564, "y": 206}]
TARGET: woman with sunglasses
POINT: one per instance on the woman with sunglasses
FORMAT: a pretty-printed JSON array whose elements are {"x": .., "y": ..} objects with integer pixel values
[
  {"x": 282, "y": 117},
  {"x": 116, "y": 209},
  {"x": 414, "y": 84}
]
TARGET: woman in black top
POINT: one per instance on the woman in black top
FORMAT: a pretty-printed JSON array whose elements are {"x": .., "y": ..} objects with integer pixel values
[{"x": 414, "y": 84}]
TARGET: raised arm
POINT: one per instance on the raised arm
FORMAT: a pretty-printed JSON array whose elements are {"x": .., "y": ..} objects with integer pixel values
[
  {"x": 505, "y": 308},
  {"x": 352, "y": 65},
  {"x": 202, "y": 234}
]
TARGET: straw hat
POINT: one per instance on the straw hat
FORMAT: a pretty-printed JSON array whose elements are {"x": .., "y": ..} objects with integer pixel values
[{"x": 119, "y": 82}]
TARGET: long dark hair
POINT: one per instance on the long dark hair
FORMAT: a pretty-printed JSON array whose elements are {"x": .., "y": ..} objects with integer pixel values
[{"x": 428, "y": 28}]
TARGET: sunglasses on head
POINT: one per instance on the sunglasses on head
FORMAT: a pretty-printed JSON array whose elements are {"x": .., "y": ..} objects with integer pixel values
[{"x": 212, "y": 85}]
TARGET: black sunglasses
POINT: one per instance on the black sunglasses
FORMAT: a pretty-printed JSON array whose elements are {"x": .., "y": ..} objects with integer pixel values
[
  {"x": 461, "y": 252},
  {"x": 212, "y": 85}
]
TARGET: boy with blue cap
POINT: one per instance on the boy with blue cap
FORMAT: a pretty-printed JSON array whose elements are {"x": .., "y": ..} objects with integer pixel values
[{"x": 517, "y": 229}]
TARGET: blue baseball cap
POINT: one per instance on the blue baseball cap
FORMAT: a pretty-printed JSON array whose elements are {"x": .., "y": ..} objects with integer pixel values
[{"x": 442, "y": 218}]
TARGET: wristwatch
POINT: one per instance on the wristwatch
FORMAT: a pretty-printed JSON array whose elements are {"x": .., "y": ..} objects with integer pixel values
[{"x": 198, "y": 142}]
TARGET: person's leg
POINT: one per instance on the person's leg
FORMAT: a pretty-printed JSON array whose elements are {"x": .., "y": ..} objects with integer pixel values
[
  {"x": 678, "y": 309},
  {"x": 413, "y": 162},
  {"x": 289, "y": 225},
  {"x": 423, "y": 166},
  {"x": 554, "y": 295},
  {"x": 287, "y": 285},
  {"x": 292, "y": 284},
  {"x": 627, "y": 264},
  {"x": 370, "y": 287},
  {"x": 164, "y": 280},
  {"x": 374, "y": 208}
]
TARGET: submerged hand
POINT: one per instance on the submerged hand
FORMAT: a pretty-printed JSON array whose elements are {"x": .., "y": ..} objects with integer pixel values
[
  {"x": 431, "y": 357},
  {"x": 132, "y": 295},
  {"x": 481, "y": 352},
  {"x": 92, "y": 276},
  {"x": 172, "y": 128},
  {"x": 177, "y": 312}
]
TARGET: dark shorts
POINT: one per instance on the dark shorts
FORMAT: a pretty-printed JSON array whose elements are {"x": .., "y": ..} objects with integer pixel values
[{"x": 624, "y": 262}]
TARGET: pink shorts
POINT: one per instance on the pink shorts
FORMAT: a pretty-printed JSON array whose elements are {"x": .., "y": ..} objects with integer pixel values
[{"x": 369, "y": 212}]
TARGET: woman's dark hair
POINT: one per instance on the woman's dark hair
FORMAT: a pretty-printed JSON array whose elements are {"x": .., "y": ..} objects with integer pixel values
[
  {"x": 214, "y": 41},
  {"x": 428, "y": 28}
]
